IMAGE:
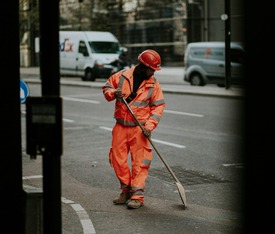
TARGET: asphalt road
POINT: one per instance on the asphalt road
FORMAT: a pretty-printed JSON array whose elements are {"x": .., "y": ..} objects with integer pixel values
[{"x": 88, "y": 209}]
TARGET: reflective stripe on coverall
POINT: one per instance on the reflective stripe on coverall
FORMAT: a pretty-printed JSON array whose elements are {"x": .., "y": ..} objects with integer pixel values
[{"x": 148, "y": 106}]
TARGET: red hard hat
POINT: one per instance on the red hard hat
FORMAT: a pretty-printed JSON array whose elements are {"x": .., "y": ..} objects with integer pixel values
[{"x": 150, "y": 58}]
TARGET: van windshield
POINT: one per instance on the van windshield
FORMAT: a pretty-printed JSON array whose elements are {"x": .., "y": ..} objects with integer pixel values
[{"x": 104, "y": 47}]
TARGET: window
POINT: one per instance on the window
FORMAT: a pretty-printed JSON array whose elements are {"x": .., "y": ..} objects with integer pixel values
[
  {"x": 82, "y": 48},
  {"x": 104, "y": 47}
]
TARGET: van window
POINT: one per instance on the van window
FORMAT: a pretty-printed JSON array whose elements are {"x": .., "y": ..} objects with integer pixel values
[
  {"x": 104, "y": 47},
  {"x": 82, "y": 48},
  {"x": 200, "y": 52}
]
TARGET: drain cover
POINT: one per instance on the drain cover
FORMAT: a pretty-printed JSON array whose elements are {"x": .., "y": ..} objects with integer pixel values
[{"x": 187, "y": 177}]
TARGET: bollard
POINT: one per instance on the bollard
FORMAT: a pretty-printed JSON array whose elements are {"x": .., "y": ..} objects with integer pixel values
[{"x": 33, "y": 210}]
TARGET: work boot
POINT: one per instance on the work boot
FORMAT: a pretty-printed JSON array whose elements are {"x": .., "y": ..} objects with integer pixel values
[
  {"x": 134, "y": 204},
  {"x": 122, "y": 198}
]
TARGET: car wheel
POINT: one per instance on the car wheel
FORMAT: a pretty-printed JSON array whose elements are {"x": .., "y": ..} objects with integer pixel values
[
  {"x": 88, "y": 76},
  {"x": 196, "y": 80}
]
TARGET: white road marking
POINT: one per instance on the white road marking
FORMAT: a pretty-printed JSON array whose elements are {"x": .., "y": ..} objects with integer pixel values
[
  {"x": 233, "y": 164},
  {"x": 87, "y": 225},
  {"x": 106, "y": 128},
  {"x": 80, "y": 100},
  {"x": 75, "y": 128},
  {"x": 183, "y": 113},
  {"x": 68, "y": 120},
  {"x": 155, "y": 140},
  {"x": 32, "y": 177},
  {"x": 169, "y": 143},
  {"x": 66, "y": 201}
]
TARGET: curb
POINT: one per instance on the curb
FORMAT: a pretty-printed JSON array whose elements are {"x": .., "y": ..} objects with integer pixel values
[
  {"x": 30, "y": 75},
  {"x": 196, "y": 91}
]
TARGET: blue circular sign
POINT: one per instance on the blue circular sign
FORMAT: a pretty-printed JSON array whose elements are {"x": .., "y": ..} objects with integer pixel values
[{"x": 24, "y": 91}]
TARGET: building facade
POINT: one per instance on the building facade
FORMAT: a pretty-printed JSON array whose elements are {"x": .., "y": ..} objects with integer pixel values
[{"x": 164, "y": 25}]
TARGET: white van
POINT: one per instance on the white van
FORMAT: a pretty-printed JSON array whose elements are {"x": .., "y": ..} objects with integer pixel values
[
  {"x": 204, "y": 63},
  {"x": 87, "y": 54}
]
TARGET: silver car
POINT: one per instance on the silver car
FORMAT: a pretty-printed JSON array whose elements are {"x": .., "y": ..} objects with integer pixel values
[{"x": 204, "y": 63}]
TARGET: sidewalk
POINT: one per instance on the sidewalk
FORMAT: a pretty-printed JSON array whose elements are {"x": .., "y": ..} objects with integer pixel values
[{"x": 30, "y": 75}]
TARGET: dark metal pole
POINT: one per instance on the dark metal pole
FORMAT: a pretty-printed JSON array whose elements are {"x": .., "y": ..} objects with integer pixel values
[
  {"x": 49, "y": 70},
  {"x": 49, "y": 47},
  {"x": 227, "y": 44},
  {"x": 12, "y": 203}
]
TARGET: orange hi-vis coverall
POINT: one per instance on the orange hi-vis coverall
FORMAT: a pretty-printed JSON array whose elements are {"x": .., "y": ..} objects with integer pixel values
[{"x": 127, "y": 136}]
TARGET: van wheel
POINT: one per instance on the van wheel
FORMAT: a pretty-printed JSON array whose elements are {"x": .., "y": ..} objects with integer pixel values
[
  {"x": 196, "y": 80},
  {"x": 88, "y": 76}
]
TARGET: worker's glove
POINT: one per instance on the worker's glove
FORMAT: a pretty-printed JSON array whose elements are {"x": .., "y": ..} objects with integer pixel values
[
  {"x": 118, "y": 94},
  {"x": 146, "y": 132}
]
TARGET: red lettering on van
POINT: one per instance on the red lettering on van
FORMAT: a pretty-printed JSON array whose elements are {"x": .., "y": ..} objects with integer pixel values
[{"x": 207, "y": 52}]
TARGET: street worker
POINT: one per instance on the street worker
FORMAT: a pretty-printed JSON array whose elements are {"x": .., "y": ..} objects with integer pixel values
[{"x": 144, "y": 96}]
